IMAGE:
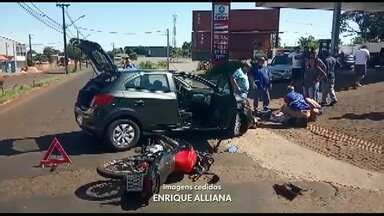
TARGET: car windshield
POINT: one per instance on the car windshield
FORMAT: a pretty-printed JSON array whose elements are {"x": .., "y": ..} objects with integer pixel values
[{"x": 281, "y": 59}]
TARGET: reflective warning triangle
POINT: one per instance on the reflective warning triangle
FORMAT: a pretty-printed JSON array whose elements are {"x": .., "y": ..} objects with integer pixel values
[{"x": 55, "y": 144}]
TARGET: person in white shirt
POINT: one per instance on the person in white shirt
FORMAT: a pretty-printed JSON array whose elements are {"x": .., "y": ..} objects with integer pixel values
[
  {"x": 297, "y": 69},
  {"x": 361, "y": 58}
]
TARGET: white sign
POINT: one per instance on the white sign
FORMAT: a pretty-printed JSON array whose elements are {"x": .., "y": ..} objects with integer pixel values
[{"x": 221, "y": 12}]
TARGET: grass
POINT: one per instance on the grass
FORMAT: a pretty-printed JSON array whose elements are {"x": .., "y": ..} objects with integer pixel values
[
  {"x": 19, "y": 90},
  {"x": 153, "y": 65}
]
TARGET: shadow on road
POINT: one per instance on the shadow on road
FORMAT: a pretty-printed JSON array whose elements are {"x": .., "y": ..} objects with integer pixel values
[
  {"x": 107, "y": 192},
  {"x": 74, "y": 143},
  {"x": 374, "y": 116}
]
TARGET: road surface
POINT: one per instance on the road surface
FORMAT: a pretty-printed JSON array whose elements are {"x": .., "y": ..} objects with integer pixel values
[{"x": 29, "y": 125}]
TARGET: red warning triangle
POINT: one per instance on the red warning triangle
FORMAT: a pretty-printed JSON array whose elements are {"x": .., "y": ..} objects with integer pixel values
[{"x": 55, "y": 145}]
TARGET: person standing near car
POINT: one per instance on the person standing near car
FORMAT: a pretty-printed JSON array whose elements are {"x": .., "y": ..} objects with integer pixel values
[
  {"x": 262, "y": 77},
  {"x": 328, "y": 84},
  {"x": 297, "y": 68},
  {"x": 128, "y": 64},
  {"x": 239, "y": 80},
  {"x": 361, "y": 58},
  {"x": 315, "y": 71}
]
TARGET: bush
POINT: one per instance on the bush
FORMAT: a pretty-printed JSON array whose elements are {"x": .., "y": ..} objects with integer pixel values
[
  {"x": 147, "y": 65},
  {"x": 162, "y": 64}
]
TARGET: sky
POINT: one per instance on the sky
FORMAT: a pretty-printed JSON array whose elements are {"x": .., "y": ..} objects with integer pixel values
[{"x": 139, "y": 18}]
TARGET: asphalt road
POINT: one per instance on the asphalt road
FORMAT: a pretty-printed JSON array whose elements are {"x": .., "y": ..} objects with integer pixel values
[{"x": 30, "y": 123}]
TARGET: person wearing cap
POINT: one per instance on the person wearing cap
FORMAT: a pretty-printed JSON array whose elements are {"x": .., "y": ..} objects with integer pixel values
[{"x": 262, "y": 79}]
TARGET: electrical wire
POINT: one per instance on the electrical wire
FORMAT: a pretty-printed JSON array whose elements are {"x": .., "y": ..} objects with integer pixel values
[
  {"x": 45, "y": 15},
  {"x": 38, "y": 18},
  {"x": 73, "y": 23}
]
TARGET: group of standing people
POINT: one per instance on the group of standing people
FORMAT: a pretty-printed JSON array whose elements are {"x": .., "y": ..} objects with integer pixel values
[
  {"x": 309, "y": 73},
  {"x": 253, "y": 81}
]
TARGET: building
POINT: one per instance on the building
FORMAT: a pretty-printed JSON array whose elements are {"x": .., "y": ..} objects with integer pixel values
[
  {"x": 249, "y": 31},
  {"x": 12, "y": 55}
]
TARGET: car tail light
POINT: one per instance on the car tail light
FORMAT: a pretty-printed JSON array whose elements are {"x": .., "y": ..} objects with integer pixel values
[{"x": 101, "y": 100}]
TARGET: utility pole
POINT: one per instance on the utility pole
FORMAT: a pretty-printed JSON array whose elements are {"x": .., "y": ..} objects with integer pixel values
[
  {"x": 81, "y": 52},
  {"x": 174, "y": 30},
  {"x": 65, "y": 37},
  {"x": 113, "y": 51},
  {"x": 6, "y": 49},
  {"x": 30, "y": 48},
  {"x": 168, "y": 49},
  {"x": 335, "y": 28}
]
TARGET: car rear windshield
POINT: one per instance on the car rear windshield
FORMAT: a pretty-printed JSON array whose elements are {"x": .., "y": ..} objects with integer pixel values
[{"x": 283, "y": 59}]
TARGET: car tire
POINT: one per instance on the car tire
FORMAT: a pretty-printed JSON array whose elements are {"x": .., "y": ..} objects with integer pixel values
[
  {"x": 129, "y": 138},
  {"x": 239, "y": 125}
]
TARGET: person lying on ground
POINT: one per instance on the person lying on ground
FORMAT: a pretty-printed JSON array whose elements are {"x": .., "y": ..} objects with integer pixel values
[{"x": 299, "y": 109}]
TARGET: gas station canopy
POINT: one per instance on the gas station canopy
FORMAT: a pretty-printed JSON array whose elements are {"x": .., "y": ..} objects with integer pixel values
[{"x": 345, "y": 6}]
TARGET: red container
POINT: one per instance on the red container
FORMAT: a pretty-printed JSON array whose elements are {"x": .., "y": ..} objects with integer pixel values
[
  {"x": 185, "y": 160},
  {"x": 201, "y": 40},
  {"x": 201, "y": 21},
  {"x": 251, "y": 20},
  {"x": 241, "y": 20}
]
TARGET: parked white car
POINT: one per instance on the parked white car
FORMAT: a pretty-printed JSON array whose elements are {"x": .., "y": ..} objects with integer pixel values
[{"x": 280, "y": 68}]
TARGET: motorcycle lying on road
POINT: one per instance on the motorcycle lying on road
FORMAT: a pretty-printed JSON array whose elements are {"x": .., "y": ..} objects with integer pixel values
[{"x": 142, "y": 175}]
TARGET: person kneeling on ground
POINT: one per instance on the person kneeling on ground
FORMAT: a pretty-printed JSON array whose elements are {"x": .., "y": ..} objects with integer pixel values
[{"x": 299, "y": 110}]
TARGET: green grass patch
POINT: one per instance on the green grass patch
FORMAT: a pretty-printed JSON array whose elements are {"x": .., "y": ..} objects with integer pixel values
[{"x": 19, "y": 90}]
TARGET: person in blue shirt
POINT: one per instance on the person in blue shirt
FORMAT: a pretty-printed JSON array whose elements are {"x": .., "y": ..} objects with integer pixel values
[
  {"x": 128, "y": 64},
  {"x": 262, "y": 78},
  {"x": 298, "y": 107}
]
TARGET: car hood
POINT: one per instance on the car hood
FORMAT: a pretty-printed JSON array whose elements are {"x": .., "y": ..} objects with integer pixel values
[{"x": 99, "y": 58}]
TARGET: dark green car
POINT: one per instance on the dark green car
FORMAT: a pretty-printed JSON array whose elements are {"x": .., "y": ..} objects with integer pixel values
[{"x": 122, "y": 106}]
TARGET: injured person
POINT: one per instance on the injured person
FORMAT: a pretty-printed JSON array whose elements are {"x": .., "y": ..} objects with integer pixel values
[{"x": 297, "y": 110}]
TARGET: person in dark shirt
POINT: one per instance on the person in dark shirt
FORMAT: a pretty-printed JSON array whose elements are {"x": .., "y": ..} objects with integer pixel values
[
  {"x": 328, "y": 84},
  {"x": 314, "y": 73},
  {"x": 262, "y": 79}
]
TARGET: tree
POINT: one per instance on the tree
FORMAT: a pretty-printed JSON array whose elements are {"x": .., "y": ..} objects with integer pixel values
[
  {"x": 176, "y": 52},
  {"x": 187, "y": 49},
  {"x": 75, "y": 54},
  {"x": 309, "y": 42},
  {"x": 29, "y": 60},
  {"x": 370, "y": 25},
  {"x": 49, "y": 51}
]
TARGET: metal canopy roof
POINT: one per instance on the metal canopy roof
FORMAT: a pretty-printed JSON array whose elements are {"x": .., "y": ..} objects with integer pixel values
[{"x": 345, "y": 6}]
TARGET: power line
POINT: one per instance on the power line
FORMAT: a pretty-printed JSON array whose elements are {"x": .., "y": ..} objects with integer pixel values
[
  {"x": 38, "y": 18},
  {"x": 45, "y": 15},
  {"x": 73, "y": 23}
]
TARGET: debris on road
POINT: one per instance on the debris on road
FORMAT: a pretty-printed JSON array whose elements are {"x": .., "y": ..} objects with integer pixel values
[
  {"x": 288, "y": 190},
  {"x": 232, "y": 148}
]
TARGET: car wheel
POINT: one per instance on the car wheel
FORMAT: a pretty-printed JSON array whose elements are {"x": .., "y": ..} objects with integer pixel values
[
  {"x": 239, "y": 125},
  {"x": 123, "y": 134}
]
